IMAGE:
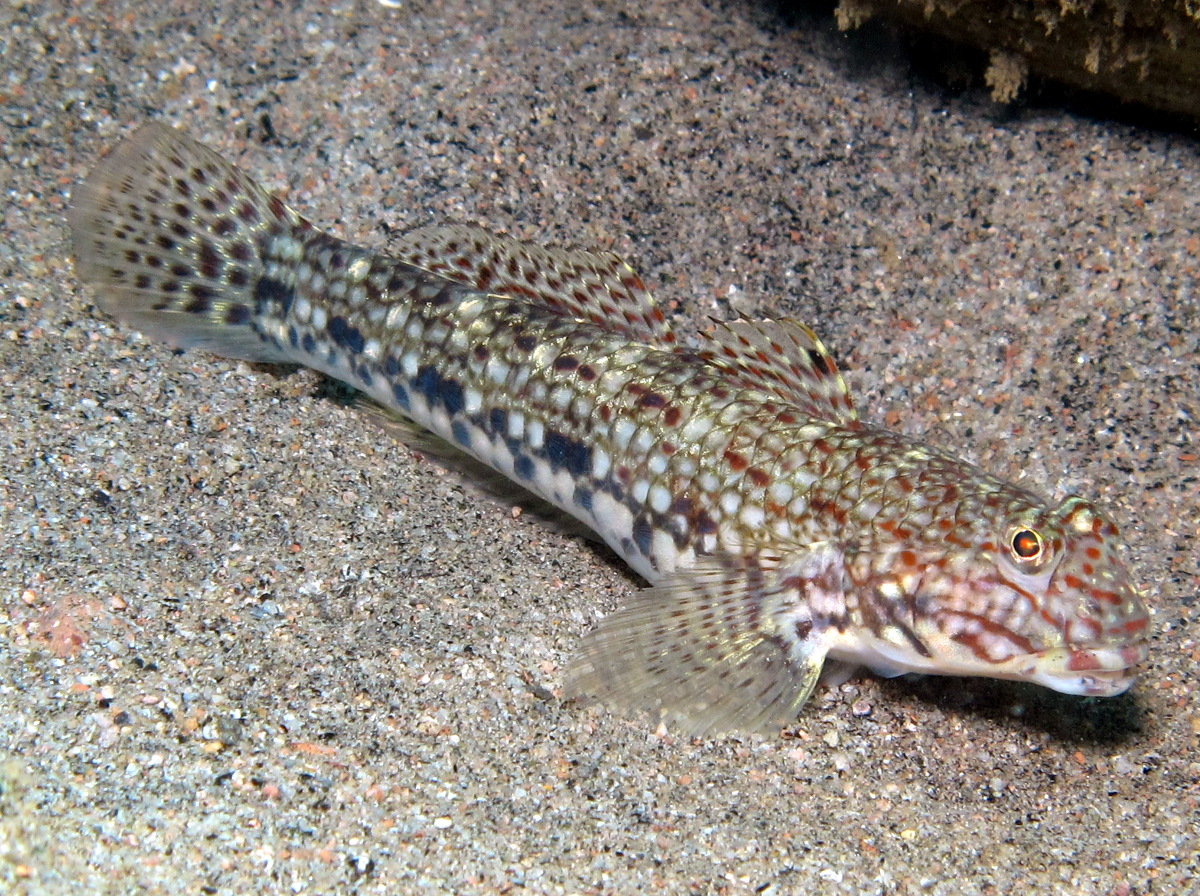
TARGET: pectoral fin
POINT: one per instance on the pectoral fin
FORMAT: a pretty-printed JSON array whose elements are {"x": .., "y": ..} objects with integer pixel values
[{"x": 723, "y": 646}]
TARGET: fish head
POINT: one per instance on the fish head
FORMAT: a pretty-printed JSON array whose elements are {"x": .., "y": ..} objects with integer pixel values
[
  {"x": 1026, "y": 591},
  {"x": 1088, "y": 626}
]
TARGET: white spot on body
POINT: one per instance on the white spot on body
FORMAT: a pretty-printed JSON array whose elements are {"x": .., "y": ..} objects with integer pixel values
[
  {"x": 601, "y": 463},
  {"x": 660, "y": 499},
  {"x": 516, "y": 425},
  {"x": 663, "y": 550},
  {"x": 358, "y": 269},
  {"x": 560, "y": 399},
  {"x": 640, "y": 489},
  {"x": 535, "y": 434},
  {"x": 622, "y": 434},
  {"x": 780, "y": 491},
  {"x": 472, "y": 400},
  {"x": 643, "y": 441},
  {"x": 752, "y": 516},
  {"x": 496, "y": 370},
  {"x": 696, "y": 428}
]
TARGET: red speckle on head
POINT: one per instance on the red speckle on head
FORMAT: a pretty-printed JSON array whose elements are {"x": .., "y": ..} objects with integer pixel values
[
  {"x": 1073, "y": 582},
  {"x": 1108, "y": 597},
  {"x": 1093, "y": 552},
  {"x": 1133, "y": 626},
  {"x": 671, "y": 416},
  {"x": 758, "y": 477},
  {"x": 1083, "y": 661}
]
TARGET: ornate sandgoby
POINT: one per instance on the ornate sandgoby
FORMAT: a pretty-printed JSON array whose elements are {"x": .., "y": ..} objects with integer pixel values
[{"x": 780, "y": 534}]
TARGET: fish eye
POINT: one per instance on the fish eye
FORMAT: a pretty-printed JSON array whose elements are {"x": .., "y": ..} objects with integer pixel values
[{"x": 1027, "y": 545}]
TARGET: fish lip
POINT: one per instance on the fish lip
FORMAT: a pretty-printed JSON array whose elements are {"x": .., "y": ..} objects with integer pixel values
[{"x": 1089, "y": 671}]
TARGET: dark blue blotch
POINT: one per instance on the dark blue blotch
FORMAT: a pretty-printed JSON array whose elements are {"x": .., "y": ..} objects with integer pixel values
[
  {"x": 309, "y": 343},
  {"x": 498, "y": 421},
  {"x": 267, "y": 291},
  {"x": 293, "y": 337},
  {"x": 439, "y": 390},
  {"x": 643, "y": 532},
  {"x": 364, "y": 374},
  {"x": 583, "y": 498},
  {"x": 401, "y": 395},
  {"x": 566, "y": 453},
  {"x": 391, "y": 366},
  {"x": 345, "y": 334},
  {"x": 461, "y": 434},
  {"x": 523, "y": 467}
]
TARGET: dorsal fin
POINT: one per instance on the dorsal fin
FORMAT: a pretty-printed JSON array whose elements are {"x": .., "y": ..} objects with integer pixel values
[
  {"x": 595, "y": 286},
  {"x": 785, "y": 358}
]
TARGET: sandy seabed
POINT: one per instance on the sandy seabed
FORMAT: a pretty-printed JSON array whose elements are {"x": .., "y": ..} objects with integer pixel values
[{"x": 252, "y": 646}]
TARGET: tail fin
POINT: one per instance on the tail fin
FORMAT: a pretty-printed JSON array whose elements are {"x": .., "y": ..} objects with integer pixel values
[{"x": 179, "y": 243}]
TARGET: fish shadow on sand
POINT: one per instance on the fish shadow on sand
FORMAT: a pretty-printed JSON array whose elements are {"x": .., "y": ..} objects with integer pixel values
[{"x": 1084, "y": 721}]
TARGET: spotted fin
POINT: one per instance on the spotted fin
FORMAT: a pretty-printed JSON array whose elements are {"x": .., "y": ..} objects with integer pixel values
[
  {"x": 594, "y": 286},
  {"x": 170, "y": 234},
  {"x": 785, "y": 358},
  {"x": 726, "y": 645}
]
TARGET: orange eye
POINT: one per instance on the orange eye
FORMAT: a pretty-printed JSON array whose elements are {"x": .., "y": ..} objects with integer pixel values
[{"x": 1026, "y": 545}]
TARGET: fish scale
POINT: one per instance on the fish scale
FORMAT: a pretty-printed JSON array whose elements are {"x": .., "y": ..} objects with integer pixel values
[{"x": 777, "y": 530}]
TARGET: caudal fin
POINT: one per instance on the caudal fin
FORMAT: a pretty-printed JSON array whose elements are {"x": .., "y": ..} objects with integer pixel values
[{"x": 184, "y": 246}]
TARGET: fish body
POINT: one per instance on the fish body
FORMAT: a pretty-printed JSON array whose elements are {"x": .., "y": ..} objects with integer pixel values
[{"x": 777, "y": 530}]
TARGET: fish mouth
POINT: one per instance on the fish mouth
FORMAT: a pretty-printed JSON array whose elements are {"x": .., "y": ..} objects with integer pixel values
[{"x": 1088, "y": 671}]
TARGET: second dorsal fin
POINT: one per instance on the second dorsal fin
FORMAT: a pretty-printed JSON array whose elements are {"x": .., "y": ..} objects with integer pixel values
[
  {"x": 594, "y": 286},
  {"x": 785, "y": 358}
]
